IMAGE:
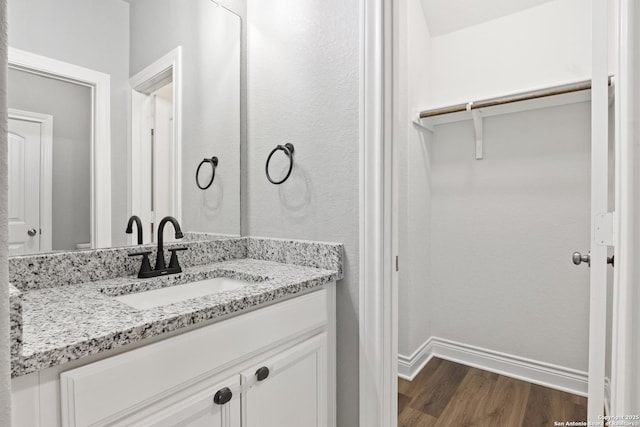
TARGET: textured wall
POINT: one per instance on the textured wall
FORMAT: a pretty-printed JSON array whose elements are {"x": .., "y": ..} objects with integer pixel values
[
  {"x": 303, "y": 88},
  {"x": 92, "y": 34},
  {"x": 5, "y": 363}
]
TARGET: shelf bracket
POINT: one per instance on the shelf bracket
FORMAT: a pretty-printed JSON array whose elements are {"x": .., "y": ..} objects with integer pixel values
[
  {"x": 477, "y": 126},
  {"x": 417, "y": 121}
]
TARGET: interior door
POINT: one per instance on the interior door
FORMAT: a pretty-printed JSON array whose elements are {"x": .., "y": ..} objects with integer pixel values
[
  {"x": 24, "y": 147},
  {"x": 162, "y": 162},
  {"x": 154, "y": 172}
]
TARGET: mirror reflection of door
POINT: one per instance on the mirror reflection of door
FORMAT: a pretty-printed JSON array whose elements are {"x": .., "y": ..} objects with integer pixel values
[
  {"x": 29, "y": 143},
  {"x": 157, "y": 163},
  {"x": 49, "y": 166}
]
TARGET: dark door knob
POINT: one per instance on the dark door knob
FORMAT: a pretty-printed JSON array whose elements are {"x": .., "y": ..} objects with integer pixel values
[
  {"x": 262, "y": 373},
  {"x": 222, "y": 396}
]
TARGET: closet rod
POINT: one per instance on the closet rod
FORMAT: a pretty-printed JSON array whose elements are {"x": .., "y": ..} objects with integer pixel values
[{"x": 523, "y": 96}]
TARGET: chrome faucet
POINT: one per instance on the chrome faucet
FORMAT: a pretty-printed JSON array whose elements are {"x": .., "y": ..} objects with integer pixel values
[
  {"x": 136, "y": 219},
  {"x": 160, "y": 268}
]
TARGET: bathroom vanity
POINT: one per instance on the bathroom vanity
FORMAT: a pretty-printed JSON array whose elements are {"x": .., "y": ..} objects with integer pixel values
[{"x": 256, "y": 347}]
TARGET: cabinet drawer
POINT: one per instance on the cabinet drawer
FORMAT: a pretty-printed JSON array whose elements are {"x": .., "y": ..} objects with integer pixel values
[{"x": 102, "y": 391}]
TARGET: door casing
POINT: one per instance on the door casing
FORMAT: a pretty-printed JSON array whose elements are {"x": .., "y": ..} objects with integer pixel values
[{"x": 378, "y": 224}]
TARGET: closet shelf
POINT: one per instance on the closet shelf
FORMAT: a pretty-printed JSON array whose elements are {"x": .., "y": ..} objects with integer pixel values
[{"x": 522, "y": 101}]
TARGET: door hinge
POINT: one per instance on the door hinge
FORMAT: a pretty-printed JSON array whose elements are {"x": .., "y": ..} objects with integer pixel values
[
  {"x": 397, "y": 265},
  {"x": 603, "y": 233}
]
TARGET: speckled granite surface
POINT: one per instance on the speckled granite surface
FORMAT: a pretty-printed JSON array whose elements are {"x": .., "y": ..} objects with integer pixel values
[
  {"x": 70, "y": 320},
  {"x": 67, "y": 268},
  {"x": 198, "y": 235},
  {"x": 54, "y": 269},
  {"x": 15, "y": 322},
  {"x": 297, "y": 252}
]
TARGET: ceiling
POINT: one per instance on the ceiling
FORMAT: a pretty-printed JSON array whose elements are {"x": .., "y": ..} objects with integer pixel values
[{"x": 446, "y": 16}]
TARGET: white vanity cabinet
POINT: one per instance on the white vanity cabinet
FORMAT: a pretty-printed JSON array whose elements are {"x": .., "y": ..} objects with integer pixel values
[
  {"x": 286, "y": 390},
  {"x": 273, "y": 366},
  {"x": 294, "y": 392},
  {"x": 195, "y": 407}
]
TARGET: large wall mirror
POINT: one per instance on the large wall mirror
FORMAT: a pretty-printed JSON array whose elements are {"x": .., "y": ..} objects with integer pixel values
[{"x": 113, "y": 105}]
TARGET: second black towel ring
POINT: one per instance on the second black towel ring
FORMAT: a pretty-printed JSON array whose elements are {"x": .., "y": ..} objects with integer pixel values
[
  {"x": 288, "y": 150},
  {"x": 214, "y": 164}
]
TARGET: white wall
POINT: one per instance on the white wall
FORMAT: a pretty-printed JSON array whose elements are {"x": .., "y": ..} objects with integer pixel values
[
  {"x": 303, "y": 85},
  {"x": 71, "y": 209},
  {"x": 414, "y": 188},
  {"x": 538, "y": 47},
  {"x": 92, "y": 34},
  {"x": 632, "y": 354},
  {"x": 503, "y": 230},
  {"x": 453, "y": 15},
  {"x": 488, "y": 242},
  {"x": 5, "y": 361},
  {"x": 210, "y": 37}
]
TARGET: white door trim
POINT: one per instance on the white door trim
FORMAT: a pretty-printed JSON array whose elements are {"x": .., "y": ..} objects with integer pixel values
[
  {"x": 378, "y": 346},
  {"x": 599, "y": 206},
  {"x": 100, "y": 85},
  {"x": 625, "y": 364},
  {"x": 169, "y": 65},
  {"x": 46, "y": 171}
]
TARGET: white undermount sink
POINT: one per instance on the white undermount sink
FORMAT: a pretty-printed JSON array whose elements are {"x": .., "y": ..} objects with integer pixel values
[{"x": 177, "y": 293}]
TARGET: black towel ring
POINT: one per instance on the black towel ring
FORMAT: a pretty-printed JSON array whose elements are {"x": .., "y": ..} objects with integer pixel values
[
  {"x": 214, "y": 164},
  {"x": 288, "y": 150}
]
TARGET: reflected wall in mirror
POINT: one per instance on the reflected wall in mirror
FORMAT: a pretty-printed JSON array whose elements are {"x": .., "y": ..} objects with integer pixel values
[{"x": 158, "y": 130}]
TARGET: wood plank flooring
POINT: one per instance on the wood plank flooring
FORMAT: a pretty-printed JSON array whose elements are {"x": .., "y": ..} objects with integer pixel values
[{"x": 447, "y": 394}]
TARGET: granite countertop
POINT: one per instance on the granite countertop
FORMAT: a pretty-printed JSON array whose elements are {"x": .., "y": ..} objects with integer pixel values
[{"x": 65, "y": 323}]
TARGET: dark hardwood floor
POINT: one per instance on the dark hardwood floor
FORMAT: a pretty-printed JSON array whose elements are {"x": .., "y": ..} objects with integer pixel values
[{"x": 447, "y": 394}]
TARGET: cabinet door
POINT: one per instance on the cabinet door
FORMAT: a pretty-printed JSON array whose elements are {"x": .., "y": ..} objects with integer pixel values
[
  {"x": 193, "y": 407},
  {"x": 293, "y": 393}
]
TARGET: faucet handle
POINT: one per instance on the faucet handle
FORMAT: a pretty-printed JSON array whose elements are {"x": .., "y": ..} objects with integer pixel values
[
  {"x": 145, "y": 267},
  {"x": 173, "y": 262}
]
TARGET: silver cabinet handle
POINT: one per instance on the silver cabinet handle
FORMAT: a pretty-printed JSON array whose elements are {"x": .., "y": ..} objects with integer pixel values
[
  {"x": 32, "y": 232},
  {"x": 578, "y": 258}
]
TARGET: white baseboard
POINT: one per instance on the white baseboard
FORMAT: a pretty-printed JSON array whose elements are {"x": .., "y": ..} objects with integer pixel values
[
  {"x": 410, "y": 366},
  {"x": 533, "y": 371}
]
